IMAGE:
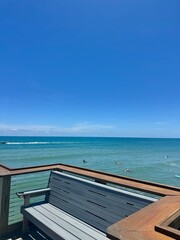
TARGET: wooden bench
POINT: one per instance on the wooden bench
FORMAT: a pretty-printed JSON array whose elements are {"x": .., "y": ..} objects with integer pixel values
[{"x": 76, "y": 208}]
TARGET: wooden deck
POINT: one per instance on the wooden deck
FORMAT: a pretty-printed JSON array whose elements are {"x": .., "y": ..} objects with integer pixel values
[
  {"x": 145, "y": 224},
  {"x": 142, "y": 223},
  {"x": 34, "y": 234}
]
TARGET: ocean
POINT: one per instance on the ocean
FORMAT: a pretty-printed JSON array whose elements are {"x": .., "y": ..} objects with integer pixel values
[{"x": 152, "y": 159}]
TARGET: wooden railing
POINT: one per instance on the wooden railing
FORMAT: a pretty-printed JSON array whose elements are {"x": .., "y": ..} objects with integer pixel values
[
  {"x": 12, "y": 179},
  {"x": 20, "y": 183}
]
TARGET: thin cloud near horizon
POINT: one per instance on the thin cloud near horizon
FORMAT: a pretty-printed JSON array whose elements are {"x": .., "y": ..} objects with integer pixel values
[
  {"x": 76, "y": 129},
  {"x": 85, "y": 129}
]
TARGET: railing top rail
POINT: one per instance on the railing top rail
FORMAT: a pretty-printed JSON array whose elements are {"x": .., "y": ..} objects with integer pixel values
[
  {"x": 7, "y": 171},
  {"x": 142, "y": 185}
]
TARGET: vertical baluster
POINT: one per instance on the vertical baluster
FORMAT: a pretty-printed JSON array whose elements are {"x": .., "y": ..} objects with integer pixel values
[{"x": 5, "y": 183}]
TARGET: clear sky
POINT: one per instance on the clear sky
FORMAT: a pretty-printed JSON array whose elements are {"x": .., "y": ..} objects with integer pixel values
[{"x": 90, "y": 68}]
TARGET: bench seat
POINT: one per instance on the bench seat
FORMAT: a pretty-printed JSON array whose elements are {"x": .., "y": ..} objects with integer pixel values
[
  {"x": 58, "y": 224},
  {"x": 77, "y": 208}
]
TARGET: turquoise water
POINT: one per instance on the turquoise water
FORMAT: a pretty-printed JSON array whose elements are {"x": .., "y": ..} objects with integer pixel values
[{"x": 156, "y": 160}]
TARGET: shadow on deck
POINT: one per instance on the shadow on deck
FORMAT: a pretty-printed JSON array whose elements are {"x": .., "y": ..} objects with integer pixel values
[{"x": 34, "y": 234}]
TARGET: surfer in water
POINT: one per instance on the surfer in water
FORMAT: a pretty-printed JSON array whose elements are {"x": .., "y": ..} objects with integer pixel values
[
  {"x": 127, "y": 170},
  {"x": 118, "y": 163}
]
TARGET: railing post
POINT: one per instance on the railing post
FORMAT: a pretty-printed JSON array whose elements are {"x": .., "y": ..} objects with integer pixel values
[{"x": 5, "y": 184}]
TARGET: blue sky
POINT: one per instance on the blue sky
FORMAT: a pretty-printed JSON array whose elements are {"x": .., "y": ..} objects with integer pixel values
[{"x": 90, "y": 68}]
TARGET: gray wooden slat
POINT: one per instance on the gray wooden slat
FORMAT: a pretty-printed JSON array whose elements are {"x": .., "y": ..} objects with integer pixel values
[
  {"x": 87, "y": 191},
  {"x": 83, "y": 230},
  {"x": 47, "y": 226},
  {"x": 102, "y": 209},
  {"x": 95, "y": 194},
  {"x": 67, "y": 225},
  {"x": 103, "y": 188},
  {"x": 67, "y": 229},
  {"x": 83, "y": 215},
  {"x": 75, "y": 221},
  {"x": 101, "y": 201},
  {"x": 69, "y": 176}
]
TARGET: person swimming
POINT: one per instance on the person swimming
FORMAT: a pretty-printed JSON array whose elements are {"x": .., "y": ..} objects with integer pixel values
[
  {"x": 118, "y": 163},
  {"x": 127, "y": 170}
]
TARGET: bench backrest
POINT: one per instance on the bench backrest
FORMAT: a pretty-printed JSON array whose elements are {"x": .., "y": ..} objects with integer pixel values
[{"x": 96, "y": 204}]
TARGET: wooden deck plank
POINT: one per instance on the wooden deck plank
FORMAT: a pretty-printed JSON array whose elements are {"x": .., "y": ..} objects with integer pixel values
[{"x": 141, "y": 225}]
